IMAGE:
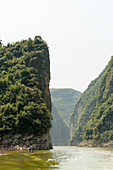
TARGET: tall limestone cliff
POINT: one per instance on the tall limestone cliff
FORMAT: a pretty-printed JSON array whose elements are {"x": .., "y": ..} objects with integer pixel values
[
  {"x": 83, "y": 110},
  {"x": 25, "y": 101}
]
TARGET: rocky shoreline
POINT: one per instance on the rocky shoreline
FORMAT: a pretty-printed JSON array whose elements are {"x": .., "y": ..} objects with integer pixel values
[
  {"x": 21, "y": 142},
  {"x": 95, "y": 143}
]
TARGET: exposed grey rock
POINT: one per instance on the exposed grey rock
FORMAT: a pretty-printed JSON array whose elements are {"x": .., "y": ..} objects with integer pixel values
[
  {"x": 25, "y": 142},
  {"x": 17, "y": 136}
]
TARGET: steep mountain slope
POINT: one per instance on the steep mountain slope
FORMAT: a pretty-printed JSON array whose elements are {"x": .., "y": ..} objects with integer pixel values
[
  {"x": 25, "y": 102},
  {"x": 64, "y": 101},
  {"x": 59, "y": 131},
  {"x": 83, "y": 110},
  {"x": 100, "y": 125}
]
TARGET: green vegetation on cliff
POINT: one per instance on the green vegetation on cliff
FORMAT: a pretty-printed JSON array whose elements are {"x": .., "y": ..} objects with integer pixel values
[
  {"x": 100, "y": 125},
  {"x": 64, "y": 101},
  {"x": 84, "y": 109},
  {"x": 25, "y": 103}
]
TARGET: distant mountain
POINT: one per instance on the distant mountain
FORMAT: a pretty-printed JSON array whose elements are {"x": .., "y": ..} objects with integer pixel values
[
  {"x": 64, "y": 101},
  {"x": 63, "y": 104},
  {"x": 59, "y": 131}
]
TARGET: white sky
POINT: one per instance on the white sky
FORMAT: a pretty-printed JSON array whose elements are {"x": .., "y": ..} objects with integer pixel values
[{"x": 79, "y": 34}]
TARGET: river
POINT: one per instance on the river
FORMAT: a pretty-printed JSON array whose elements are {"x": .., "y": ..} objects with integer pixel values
[{"x": 62, "y": 158}]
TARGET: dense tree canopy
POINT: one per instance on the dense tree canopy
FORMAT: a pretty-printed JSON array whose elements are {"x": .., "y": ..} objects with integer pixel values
[
  {"x": 84, "y": 108},
  {"x": 100, "y": 125},
  {"x": 94, "y": 111},
  {"x": 24, "y": 77}
]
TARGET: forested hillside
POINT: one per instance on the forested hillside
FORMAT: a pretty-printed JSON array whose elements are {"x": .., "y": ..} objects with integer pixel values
[
  {"x": 25, "y": 103},
  {"x": 84, "y": 109},
  {"x": 64, "y": 101},
  {"x": 100, "y": 125}
]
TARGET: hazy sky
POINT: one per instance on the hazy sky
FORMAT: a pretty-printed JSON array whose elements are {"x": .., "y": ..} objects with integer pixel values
[{"x": 79, "y": 34}]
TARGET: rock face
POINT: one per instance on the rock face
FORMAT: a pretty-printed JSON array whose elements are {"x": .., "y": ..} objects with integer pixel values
[
  {"x": 96, "y": 143},
  {"x": 25, "y": 100},
  {"x": 25, "y": 142}
]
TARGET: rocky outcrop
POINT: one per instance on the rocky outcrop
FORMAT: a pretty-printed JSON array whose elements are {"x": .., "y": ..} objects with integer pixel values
[
  {"x": 95, "y": 143},
  {"x": 25, "y": 142},
  {"x": 25, "y": 100}
]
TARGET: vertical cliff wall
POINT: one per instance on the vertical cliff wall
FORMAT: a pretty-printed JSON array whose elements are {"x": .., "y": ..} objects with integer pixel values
[{"x": 25, "y": 101}]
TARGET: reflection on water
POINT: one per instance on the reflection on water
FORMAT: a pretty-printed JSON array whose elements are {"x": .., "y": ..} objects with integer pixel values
[
  {"x": 64, "y": 158},
  {"x": 27, "y": 161}
]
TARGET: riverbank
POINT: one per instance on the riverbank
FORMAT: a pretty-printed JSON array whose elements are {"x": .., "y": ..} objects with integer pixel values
[{"x": 95, "y": 143}]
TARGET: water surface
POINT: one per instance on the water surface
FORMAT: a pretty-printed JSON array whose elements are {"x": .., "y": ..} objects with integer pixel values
[{"x": 64, "y": 158}]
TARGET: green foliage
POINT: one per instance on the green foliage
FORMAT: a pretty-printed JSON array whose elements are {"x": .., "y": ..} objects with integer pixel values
[
  {"x": 24, "y": 75},
  {"x": 84, "y": 108},
  {"x": 102, "y": 116}
]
